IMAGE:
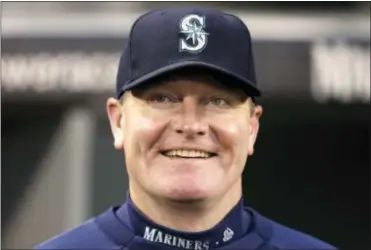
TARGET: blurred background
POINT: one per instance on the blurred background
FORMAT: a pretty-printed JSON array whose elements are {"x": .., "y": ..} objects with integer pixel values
[{"x": 312, "y": 161}]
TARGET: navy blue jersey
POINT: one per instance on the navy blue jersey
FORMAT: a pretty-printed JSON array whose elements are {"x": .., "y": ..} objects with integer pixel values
[{"x": 126, "y": 228}]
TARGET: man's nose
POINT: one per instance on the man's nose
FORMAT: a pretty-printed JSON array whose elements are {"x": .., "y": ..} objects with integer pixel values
[{"x": 189, "y": 121}]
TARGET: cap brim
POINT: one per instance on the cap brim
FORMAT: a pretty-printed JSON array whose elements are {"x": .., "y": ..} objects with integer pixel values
[{"x": 236, "y": 80}]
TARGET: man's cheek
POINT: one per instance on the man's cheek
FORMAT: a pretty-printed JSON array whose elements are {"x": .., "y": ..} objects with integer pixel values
[
  {"x": 147, "y": 132},
  {"x": 233, "y": 132}
]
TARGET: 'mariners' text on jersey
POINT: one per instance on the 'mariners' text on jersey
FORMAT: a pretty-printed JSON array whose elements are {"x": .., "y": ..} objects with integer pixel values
[{"x": 155, "y": 235}]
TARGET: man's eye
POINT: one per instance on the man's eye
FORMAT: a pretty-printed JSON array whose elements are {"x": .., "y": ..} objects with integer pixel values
[
  {"x": 160, "y": 98},
  {"x": 220, "y": 102}
]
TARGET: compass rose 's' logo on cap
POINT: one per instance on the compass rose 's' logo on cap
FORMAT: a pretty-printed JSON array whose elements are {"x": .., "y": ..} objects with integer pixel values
[{"x": 192, "y": 26}]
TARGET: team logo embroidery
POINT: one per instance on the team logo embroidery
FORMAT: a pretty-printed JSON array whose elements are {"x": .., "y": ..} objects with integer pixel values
[
  {"x": 192, "y": 26},
  {"x": 228, "y": 234}
]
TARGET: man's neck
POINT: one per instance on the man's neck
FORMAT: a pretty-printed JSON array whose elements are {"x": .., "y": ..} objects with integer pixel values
[{"x": 194, "y": 216}]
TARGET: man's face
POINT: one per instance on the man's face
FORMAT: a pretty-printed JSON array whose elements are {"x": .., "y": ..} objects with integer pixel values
[{"x": 186, "y": 138}]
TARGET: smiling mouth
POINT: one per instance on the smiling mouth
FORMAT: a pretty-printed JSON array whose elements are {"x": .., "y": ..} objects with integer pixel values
[{"x": 190, "y": 154}]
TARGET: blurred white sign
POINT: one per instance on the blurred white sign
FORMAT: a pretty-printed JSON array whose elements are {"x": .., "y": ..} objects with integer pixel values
[
  {"x": 340, "y": 72},
  {"x": 76, "y": 72}
]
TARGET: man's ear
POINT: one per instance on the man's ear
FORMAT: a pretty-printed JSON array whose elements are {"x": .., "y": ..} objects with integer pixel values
[
  {"x": 256, "y": 113},
  {"x": 116, "y": 119}
]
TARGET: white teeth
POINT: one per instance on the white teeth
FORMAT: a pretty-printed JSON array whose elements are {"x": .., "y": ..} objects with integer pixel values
[{"x": 187, "y": 153}]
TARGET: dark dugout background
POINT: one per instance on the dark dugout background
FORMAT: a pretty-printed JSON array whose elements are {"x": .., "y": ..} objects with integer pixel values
[{"x": 311, "y": 166}]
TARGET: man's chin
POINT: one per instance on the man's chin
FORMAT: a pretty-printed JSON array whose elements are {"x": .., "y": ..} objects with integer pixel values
[
  {"x": 187, "y": 195},
  {"x": 185, "y": 189}
]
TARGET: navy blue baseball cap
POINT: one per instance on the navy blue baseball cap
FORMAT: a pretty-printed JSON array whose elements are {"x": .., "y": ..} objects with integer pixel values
[{"x": 166, "y": 40}]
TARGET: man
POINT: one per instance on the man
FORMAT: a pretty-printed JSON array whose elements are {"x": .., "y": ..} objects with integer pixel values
[{"x": 186, "y": 118}]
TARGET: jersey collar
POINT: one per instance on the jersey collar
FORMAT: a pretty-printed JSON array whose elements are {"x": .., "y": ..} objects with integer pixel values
[{"x": 230, "y": 229}]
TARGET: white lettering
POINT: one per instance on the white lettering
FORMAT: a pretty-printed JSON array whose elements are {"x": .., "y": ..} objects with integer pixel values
[
  {"x": 156, "y": 235},
  {"x": 76, "y": 72},
  {"x": 340, "y": 72},
  {"x": 167, "y": 239},
  {"x": 159, "y": 237},
  {"x": 206, "y": 245},
  {"x": 149, "y": 234},
  {"x": 198, "y": 245},
  {"x": 174, "y": 241},
  {"x": 189, "y": 244},
  {"x": 181, "y": 242}
]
